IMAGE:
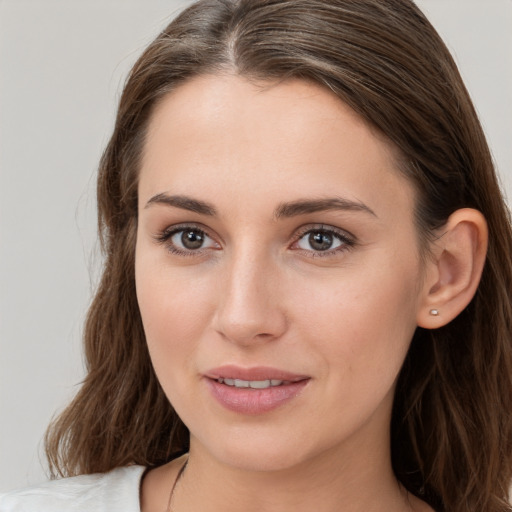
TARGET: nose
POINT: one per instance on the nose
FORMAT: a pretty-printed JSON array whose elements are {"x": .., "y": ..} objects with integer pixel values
[{"x": 250, "y": 309}]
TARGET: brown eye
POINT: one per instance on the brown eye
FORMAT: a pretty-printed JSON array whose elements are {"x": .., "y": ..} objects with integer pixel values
[
  {"x": 192, "y": 239},
  {"x": 187, "y": 240},
  {"x": 320, "y": 241}
]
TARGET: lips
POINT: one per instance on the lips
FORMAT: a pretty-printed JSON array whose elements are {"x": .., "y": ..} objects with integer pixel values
[
  {"x": 254, "y": 390},
  {"x": 257, "y": 373}
]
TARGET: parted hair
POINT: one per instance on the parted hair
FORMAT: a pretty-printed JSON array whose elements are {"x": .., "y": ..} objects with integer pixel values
[{"x": 451, "y": 429}]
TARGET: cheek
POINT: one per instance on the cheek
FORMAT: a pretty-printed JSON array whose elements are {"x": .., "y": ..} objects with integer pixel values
[
  {"x": 174, "y": 307},
  {"x": 363, "y": 323}
]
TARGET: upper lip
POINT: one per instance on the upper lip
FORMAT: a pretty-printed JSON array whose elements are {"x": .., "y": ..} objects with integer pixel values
[{"x": 253, "y": 373}]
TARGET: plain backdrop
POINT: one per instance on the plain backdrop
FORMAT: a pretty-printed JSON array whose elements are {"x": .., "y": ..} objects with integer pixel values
[{"x": 62, "y": 64}]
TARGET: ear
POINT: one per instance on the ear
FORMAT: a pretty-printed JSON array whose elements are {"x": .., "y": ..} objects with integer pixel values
[{"x": 454, "y": 268}]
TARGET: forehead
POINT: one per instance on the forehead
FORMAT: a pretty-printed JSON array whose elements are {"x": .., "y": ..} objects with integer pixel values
[{"x": 265, "y": 140}]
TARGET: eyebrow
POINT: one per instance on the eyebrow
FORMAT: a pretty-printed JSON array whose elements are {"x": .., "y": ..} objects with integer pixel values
[
  {"x": 304, "y": 206},
  {"x": 284, "y": 210},
  {"x": 183, "y": 202}
]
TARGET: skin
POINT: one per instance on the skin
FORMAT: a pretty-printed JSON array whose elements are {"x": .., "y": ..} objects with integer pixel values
[{"x": 258, "y": 294}]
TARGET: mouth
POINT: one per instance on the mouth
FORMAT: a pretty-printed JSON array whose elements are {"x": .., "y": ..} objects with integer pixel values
[
  {"x": 254, "y": 390},
  {"x": 257, "y": 377},
  {"x": 253, "y": 384}
]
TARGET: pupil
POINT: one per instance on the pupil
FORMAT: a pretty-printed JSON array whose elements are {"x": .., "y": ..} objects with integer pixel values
[
  {"x": 192, "y": 239},
  {"x": 320, "y": 241}
]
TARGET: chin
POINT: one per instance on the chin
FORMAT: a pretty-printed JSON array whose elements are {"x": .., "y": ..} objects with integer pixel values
[{"x": 257, "y": 453}]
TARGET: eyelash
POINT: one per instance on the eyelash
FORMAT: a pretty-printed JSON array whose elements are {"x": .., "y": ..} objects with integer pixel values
[
  {"x": 347, "y": 240},
  {"x": 164, "y": 238}
]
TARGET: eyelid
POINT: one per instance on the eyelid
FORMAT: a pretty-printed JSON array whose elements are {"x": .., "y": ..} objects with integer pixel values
[
  {"x": 163, "y": 237},
  {"x": 343, "y": 233},
  {"x": 348, "y": 239},
  {"x": 173, "y": 228}
]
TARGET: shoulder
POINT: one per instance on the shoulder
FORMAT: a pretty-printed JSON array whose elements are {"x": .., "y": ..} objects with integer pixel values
[{"x": 115, "y": 491}]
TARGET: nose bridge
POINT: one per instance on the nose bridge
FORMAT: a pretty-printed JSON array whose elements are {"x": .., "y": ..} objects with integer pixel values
[{"x": 249, "y": 308}]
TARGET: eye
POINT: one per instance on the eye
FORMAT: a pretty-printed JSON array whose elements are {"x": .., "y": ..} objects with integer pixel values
[
  {"x": 186, "y": 240},
  {"x": 318, "y": 241},
  {"x": 323, "y": 240},
  {"x": 190, "y": 239}
]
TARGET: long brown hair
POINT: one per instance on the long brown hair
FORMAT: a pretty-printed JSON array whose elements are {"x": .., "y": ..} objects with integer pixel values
[{"x": 451, "y": 424}]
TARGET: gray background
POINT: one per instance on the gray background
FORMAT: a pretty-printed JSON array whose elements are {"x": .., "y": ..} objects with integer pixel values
[{"x": 62, "y": 63}]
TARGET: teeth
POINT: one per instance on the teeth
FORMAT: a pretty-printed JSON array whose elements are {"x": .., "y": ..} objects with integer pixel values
[
  {"x": 260, "y": 384},
  {"x": 254, "y": 384}
]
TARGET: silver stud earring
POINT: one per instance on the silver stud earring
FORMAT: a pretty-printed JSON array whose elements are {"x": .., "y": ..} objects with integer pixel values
[{"x": 434, "y": 312}]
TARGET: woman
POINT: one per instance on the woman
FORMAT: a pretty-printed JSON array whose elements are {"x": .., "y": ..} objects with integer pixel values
[{"x": 308, "y": 256}]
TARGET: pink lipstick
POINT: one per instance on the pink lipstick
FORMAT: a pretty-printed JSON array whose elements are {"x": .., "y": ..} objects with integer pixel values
[{"x": 254, "y": 390}]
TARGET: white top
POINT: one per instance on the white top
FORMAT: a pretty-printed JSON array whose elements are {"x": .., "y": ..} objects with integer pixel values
[{"x": 115, "y": 491}]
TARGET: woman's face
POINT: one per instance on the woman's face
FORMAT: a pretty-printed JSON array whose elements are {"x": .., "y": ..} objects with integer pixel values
[{"x": 276, "y": 249}]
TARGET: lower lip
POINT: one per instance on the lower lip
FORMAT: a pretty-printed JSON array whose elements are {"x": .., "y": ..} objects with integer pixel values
[{"x": 254, "y": 401}]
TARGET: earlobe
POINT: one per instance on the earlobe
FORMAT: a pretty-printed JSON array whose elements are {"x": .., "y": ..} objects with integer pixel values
[{"x": 454, "y": 269}]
